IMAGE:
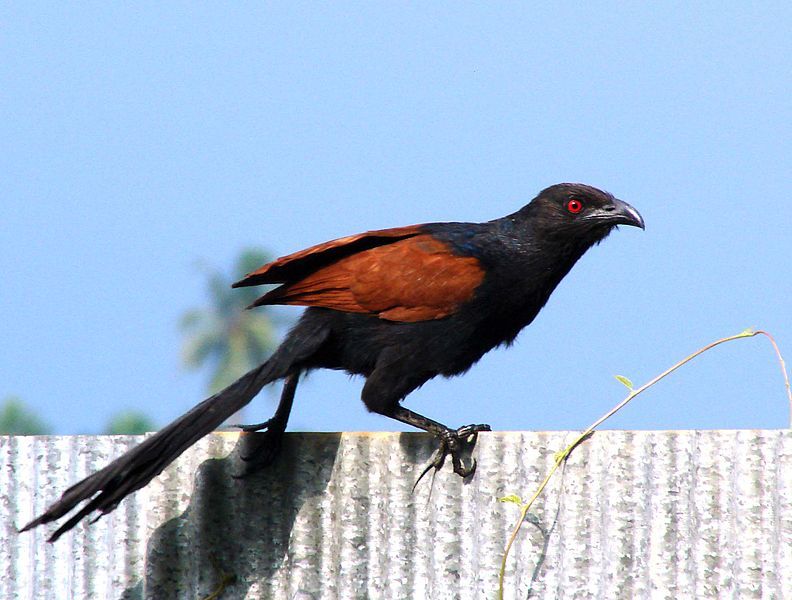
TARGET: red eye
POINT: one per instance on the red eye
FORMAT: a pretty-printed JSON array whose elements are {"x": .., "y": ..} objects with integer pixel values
[{"x": 574, "y": 206}]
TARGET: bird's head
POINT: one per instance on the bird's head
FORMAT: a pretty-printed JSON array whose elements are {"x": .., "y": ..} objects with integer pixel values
[{"x": 581, "y": 212}]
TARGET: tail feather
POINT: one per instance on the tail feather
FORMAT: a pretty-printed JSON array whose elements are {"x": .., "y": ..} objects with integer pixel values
[{"x": 133, "y": 470}]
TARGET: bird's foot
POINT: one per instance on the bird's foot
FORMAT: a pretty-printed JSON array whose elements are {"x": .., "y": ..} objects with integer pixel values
[
  {"x": 255, "y": 426},
  {"x": 455, "y": 443},
  {"x": 259, "y": 451}
]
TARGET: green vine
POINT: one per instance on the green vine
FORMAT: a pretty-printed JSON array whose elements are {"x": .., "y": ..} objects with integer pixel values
[{"x": 562, "y": 456}]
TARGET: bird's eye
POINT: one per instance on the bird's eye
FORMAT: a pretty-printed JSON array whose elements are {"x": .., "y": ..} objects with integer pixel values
[{"x": 574, "y": 206}]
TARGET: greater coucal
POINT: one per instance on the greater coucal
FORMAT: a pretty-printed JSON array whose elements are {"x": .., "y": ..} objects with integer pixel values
[{"x": 398, "y": 306}]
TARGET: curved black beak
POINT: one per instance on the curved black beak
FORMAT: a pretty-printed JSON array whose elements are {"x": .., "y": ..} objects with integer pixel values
[{"x": 618, "y": 212}]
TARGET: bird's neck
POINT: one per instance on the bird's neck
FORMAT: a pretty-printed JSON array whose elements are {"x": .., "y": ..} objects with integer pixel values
[{"x": 538, "y": 259}]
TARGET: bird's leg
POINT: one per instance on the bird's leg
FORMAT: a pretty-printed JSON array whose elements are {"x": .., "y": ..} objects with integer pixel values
[
  {"x": 262, "y": 449},
  {"x": 452, "y": 442},
  {"x": 281, "y": 416}
]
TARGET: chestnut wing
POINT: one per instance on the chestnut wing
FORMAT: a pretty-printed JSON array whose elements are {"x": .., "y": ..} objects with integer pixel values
[
  {"x": 415, "y": 278},
  {"x": 299, "y": 264}
]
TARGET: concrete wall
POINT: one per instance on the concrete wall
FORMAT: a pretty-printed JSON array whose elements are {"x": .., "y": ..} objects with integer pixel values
[{"x": 693, "y": 514}]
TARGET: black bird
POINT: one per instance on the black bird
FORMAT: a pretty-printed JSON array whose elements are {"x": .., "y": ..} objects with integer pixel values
[{"x": 398, "y": 306}]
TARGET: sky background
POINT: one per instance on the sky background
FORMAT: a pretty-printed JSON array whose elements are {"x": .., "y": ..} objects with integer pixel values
[{"x": 137, "y": 141}]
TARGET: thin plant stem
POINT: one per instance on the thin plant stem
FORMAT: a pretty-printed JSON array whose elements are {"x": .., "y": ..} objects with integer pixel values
[
  {"x": 783, "y": 370},
  {"x": 561, "y": 457}
]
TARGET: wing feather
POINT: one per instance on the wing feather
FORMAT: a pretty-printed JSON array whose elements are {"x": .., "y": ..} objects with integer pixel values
[
  {"x": 412, "y": 278},
  {"x": 298, "y": 264}
]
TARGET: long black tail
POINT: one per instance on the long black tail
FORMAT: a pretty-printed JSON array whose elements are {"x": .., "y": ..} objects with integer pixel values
[{"x": 133, "y": 470}]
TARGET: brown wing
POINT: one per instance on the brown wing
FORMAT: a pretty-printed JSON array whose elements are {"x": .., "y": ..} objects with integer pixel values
[
  {"x": 415, "y": 278},
  {"x": 299, "y": 264}
]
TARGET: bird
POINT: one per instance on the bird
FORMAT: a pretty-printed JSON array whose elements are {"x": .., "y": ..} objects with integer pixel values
[{"x": 397, "y": 306}]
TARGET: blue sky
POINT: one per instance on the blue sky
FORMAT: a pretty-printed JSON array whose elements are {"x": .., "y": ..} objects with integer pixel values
[{"x": 138, "y": 140}]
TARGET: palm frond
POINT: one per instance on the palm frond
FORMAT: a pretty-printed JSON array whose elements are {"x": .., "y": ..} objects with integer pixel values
[{"x": 223, "y": 334}]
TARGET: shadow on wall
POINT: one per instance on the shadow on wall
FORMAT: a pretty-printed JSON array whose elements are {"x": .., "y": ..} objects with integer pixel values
[{"x": 236, "y": 531}]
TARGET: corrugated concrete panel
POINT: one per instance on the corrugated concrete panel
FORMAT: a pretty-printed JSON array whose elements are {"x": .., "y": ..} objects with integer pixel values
[{"x": 693, "y": 514}]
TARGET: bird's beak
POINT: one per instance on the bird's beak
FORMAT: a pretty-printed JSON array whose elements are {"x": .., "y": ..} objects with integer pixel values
[{"x": 619, "y": 213}]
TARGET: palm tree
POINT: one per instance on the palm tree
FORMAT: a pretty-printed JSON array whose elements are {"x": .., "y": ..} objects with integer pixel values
[
  {"x": 225, "y": 335},
  {"x": 17, "y": 419}
]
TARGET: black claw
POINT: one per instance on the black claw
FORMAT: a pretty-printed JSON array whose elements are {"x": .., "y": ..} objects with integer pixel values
[
  {"x": 259, "y": 451},
  {"x": 462, "y": 470},
  {"x": 453, "y": 444},
  {"x": 468, "y": 430},
  {"x": 255, "y": 426}
]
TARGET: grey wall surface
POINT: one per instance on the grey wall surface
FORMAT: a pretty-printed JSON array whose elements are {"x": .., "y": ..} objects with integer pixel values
[{"x": 692, "y": 514}]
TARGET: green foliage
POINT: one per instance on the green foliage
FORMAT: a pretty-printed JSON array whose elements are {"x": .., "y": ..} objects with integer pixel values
[
  {"x": 512, "y": 498},
  {"x": 225, "y": 336},
  {"x": 17, "y": 419},
  {"x": 624, "y": 381},
  {"x": 130, "y": 422}
]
